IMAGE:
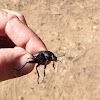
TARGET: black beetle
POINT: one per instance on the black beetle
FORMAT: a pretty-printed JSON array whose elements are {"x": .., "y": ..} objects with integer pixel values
[{"x": 41, "y": 57}]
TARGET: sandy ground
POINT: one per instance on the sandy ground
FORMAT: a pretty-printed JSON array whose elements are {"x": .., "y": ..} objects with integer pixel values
[{"x": 67, "y": 27}]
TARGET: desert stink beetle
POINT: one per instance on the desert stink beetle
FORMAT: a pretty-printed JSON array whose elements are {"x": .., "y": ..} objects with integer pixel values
[{"x": 41, "y": 57}]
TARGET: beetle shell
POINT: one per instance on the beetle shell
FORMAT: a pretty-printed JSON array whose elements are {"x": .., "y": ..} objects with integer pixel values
[{"x": 43, "y": 56}]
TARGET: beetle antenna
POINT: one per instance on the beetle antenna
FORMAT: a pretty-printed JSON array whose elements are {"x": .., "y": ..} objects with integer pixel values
[
  {"x": 61, "y": 56},
  {"x": 59, "y": 61}
]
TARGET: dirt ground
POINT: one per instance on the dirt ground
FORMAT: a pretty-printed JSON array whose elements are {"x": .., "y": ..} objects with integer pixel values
[{"x": 67, "y": 27}]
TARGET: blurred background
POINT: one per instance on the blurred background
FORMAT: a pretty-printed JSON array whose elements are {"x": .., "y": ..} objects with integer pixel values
[{"x": 67, "y": 27}]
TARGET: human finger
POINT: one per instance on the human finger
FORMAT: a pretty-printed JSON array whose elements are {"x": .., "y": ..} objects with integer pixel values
[
  {"x": 11, "y": 59},
  {"x": 19, "y": 33}
]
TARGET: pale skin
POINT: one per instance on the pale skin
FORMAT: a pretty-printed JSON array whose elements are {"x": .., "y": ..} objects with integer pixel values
[{"x": 17, "y": 42}]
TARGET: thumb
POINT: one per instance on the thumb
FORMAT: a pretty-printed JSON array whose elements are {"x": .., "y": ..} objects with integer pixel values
[{"x": 13, "y": 58}]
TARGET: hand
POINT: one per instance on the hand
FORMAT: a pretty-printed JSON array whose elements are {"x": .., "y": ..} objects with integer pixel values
[{"x": 17, "y": 41}]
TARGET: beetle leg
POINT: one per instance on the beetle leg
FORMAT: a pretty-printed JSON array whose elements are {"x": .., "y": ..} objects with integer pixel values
[
  {"x": 45, "y": 68},
  {"x": 53, "y": 65},
  {"x": 38, "y": 73},
  {"x": 24, "y": 65},
  {"x": 30, "y": 58}
]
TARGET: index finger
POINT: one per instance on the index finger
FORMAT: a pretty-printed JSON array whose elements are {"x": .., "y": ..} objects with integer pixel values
[{"x": 20, "y": 33}]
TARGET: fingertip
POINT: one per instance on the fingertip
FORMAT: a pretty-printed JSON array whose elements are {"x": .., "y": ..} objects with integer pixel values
[
  {"x": 23, "y": 61},
  {"x": 14, "y": 59},
  {"x": 35, "y": 44}
]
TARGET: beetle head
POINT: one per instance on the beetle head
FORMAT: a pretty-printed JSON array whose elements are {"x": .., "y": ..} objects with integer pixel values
[
  {"x": 50, "y": 56},
  {"x": 54, "y": 58}
]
